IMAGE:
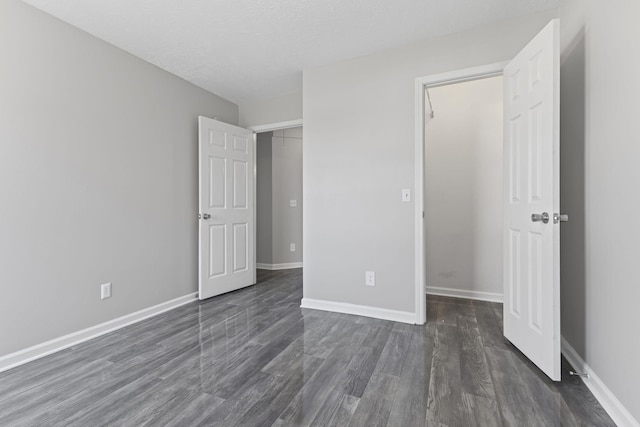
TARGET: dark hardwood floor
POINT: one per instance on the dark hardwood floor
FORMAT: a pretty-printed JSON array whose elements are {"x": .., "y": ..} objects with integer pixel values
[{"x": 255, "y": 358}]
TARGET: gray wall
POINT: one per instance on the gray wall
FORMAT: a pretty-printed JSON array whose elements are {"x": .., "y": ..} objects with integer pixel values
[
  {"x": 463, "y": 188},
  {"x": 98, "y": 179},
  {"x": 279, "y": 181},
  {"x": 600, "y": 148},
  {"x": 287, "y": 185},
  {"x": 274, "y": 110},
  {"x": 359, "y": 153},
  {"x": 264, "y": 197}
]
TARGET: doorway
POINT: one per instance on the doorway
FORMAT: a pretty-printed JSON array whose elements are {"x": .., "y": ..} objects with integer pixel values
[
  {"x": 463, "y": 189},
  {"x": 228, "y": 196},
  {"x": 531, "y": 195},
  {"x": 425, "y": 112},
  {"x": 279, "y": 199}
]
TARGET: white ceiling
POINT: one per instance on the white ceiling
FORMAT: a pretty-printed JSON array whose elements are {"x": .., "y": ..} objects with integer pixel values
[{"x": 247, "y": 50}]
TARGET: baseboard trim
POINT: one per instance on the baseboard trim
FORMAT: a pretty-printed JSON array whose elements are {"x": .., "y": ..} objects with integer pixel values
[
  {"x": 284, "y": 266},
  {"x": 460, "y": 293},
  {"x": 616, "y": 410},
  {"x": 38, "y": 351},
  {"x": 359, "y": 310}
]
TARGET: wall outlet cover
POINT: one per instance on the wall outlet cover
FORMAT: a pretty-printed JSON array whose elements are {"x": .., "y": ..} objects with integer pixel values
[
  {"x": 370, "y": 278},
  {"x": 292, "y": 247}
]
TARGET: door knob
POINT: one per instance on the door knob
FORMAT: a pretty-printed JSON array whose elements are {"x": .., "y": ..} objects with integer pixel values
[
  {"x": 560, "y": 218},
  {"x": 206, "y": 216},
  {"x": 544, "y": 217}
]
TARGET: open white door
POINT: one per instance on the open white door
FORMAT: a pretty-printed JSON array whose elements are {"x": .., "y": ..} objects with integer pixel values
[
  {"x": 532, "y": 187},
  {"x": 227, "y": 215}
]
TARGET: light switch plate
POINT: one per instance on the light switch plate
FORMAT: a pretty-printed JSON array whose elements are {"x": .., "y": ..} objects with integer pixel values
[
  {"x": 105, "y": 291},
  {"x": 406, "y": 194},
  {"x": 293, "y": 203}
]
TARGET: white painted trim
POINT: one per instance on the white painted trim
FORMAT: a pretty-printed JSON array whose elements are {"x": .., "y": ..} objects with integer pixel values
[
  {"x": 254, "y": 225},
  {"x": 40, "y": 350},
  {"x": 464, "y": 293},
  {"x": 276, "y": 126},
  {"x": 359, "y": 310},
  {"x": 616, "y": 410},
  {"x": 457, "y": 76},
  {"x": 464, "y": 75},
  {"x": 283, "y": 266},
  {"x": 418, "y": 194}
]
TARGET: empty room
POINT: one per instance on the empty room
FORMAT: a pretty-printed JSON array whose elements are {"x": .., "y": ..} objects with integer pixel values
[{"x": 285, "y": 213}]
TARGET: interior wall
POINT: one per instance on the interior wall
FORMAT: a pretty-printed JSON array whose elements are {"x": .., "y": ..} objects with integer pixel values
[
  {"x": 98, "y": 179},
  {"x": 359, "y": 154},
  {"x": 599, "y": 175},
  {"x": 279, "y": 182},
  {"x": 264, "y": 198},
  {"x": 463, "y": 189},
  {"x": 274, "y": 110},
  {"x": 287, "y": 186}
]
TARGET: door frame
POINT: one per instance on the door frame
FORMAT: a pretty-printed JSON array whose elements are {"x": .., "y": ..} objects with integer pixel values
[
  {"x": 276, "y": 126},
  {"x": 422, "y": 83},
  {"x": 269, "y": 127}
]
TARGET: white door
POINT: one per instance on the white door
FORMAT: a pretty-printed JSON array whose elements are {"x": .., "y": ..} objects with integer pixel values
[
  {"x": 227, "y": 216},
  {"x": 532, "y": 187}
]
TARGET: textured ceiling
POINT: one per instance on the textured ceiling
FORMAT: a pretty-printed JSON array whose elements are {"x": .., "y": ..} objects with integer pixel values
[{"x": 255, "y": 49}]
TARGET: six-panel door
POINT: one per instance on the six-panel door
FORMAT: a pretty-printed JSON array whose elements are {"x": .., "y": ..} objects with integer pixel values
[
  {"x": 532, "y": 186},
  {"x": 227, "y": 237}
]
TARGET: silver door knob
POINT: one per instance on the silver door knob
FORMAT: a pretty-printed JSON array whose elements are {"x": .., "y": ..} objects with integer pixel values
[
  {"x": 544, "y": 217},
  {"x": 560, "y": 218},
  {"x": 206, "y": 216}
]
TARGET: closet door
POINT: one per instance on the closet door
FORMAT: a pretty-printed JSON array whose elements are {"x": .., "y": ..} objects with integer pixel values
[{"x": 531, "y": 230}]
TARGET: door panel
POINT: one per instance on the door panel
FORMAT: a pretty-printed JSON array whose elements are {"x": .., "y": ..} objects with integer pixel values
[
  {"x": 240, "y": 181},
  {"x": 515, "y": 286},
  {"x": 532, "y": 186},
  {"x": 241, "y": 247},
  {"x": 227, "y": 223},
  {"x": 217, "y": 255},
  {"x": 217, "y": 182}
]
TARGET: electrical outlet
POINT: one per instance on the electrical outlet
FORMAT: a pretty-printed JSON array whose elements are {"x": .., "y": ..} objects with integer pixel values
[
  {"x": 370, "y": 278},
  {"x": 293, "y": 203},
  {"x": 105, "y": 291},
  {"x": 292, "y": 247}
]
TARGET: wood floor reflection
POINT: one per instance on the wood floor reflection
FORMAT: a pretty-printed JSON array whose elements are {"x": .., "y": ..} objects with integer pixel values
[{"x": 255, "y": 358}]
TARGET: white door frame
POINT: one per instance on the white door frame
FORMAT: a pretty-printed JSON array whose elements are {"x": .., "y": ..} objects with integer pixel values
[
  {"x": 269, "y": 127},
  {"x": 434, "y": 80},
  {"x": 276, "y": 126}
]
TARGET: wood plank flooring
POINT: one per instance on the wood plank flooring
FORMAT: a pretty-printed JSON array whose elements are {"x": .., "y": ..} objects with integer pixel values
[{"x": 255, "y": 358}]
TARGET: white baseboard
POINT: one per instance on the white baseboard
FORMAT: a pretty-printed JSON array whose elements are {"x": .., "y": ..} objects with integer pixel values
[
  {"x": 620, "y": 415},
  {"x": 460, "y": 293},
  {"x": 359, "y": 310},
  {"x": 21, "y": 357},
  {"x": 284, "y": 266}
]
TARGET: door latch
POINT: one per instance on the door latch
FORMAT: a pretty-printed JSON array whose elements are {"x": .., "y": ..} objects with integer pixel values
[{"x": 560, "y": 218}]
